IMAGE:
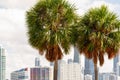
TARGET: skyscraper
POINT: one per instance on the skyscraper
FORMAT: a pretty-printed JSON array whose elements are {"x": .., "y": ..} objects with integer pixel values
[
  {"x": 2, "y": 63},
  {"x": 37, "y": 62},
  {"x": 115, "y": 61},
  {"x": 89, "y": 67},
  {"x": 71, "y": 71},
  {"x": 76, "y": 56},
  {"x": 44, "y": 73}
]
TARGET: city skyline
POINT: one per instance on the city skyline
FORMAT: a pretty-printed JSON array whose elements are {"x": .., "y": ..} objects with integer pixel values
[
  {"x": 14, "y": 33},
  {"x": 69, "y": 70}
]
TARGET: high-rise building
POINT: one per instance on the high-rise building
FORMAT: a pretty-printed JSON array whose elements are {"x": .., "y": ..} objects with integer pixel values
[
  {"x": 59, "y": 63},
  {"x": 2, "y": 63},
  {"x": 37, "y": 61},
  {"x": 40, "y": 73},
  {"x": 71, "y": 71},
  {"x": 22, "y": 74},
  {"x": 35, "y": 73},
  {"x": 115, "y": 61},
  {"x": 76, "y": 56},
  {"x": 89, "y": 67}
]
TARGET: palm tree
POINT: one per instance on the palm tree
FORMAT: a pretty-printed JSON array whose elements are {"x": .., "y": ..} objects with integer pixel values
[
  {"x": 99, "y": 35},
  {"x": 49, "y": 25}
]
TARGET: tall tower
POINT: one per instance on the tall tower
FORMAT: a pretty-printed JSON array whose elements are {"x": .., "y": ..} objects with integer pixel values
[
  {"x": 71, "y": 71},
  {"x": 76, "y": 56},
  {"x": 37, "y": 62},
  {"x": 115, "y": 61},
  {"x": 89, "y": 67},
  {"x": 2, "y": 63}
]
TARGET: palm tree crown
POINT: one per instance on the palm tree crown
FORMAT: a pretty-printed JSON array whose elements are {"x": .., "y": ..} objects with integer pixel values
[
  {"x": 99, "y": 34},
  {"x": 48, "y": 23}
]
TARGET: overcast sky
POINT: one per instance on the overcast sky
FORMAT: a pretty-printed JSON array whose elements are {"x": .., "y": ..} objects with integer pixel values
[{"x": 13, "y": 31}]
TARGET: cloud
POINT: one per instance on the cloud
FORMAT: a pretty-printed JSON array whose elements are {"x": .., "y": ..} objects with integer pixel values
[
  {"x": 13, "y": 36},
  {"x": 21, "y": 4},
  {"x": 83, "y": 5},
  {"x": 26, "y": 4}
]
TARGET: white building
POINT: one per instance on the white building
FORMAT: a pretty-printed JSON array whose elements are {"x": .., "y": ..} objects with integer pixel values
[
  {"x": 71, "y": 71},
  {"x": 88, "y": 77}
]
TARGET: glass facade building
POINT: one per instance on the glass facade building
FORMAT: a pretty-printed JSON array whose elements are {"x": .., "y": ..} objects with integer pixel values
[
  {"x": 2, "y": 63},
  {"x": 89, "y": 68},
  {"x": 21, "y": 74},
  {"x": 76, "y": 56},
  {"x": 115, "y": 62},
  {"x": 40, "y": 74}
]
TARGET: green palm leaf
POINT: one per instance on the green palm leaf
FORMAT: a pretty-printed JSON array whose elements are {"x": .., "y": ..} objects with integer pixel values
[{"x": 98, "y": 35}]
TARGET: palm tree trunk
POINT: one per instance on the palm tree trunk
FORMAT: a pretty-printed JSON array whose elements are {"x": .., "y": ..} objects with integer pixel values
[
  {"x": 55, "y": 69},
  {"x": 96, "y": 71}
]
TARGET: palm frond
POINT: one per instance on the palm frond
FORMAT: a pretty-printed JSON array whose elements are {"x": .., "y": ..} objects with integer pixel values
[
  {"x": 49, "y": 23},
  {"x": 99, "y": 34}
]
